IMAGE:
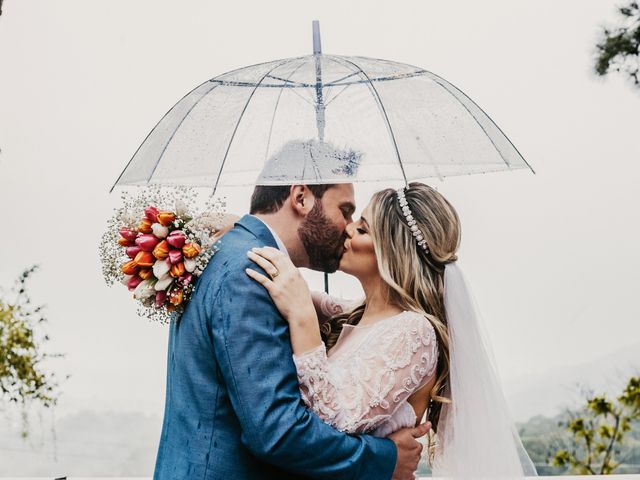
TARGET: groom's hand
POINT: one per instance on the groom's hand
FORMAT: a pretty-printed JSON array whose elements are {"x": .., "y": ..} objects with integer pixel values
[{"x": 409, "y": 450}]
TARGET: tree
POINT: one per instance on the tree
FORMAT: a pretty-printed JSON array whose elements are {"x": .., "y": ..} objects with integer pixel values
[
  {"x": 23, "y": 379},
  {"x": 619, "y": 48},
  {"x": 598, "y": 431}
]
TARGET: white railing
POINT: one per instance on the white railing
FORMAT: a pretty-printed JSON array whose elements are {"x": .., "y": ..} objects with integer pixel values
[{"x": 556, "y": 477}]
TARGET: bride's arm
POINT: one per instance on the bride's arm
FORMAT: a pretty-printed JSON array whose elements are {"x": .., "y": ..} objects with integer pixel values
[{"x": 327, "y": 306}]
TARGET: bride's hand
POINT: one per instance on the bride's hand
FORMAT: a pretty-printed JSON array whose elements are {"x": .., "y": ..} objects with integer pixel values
[{"x": 285, "y": 284}]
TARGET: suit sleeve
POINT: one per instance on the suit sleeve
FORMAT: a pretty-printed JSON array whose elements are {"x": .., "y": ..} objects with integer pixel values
[{"x": 251, "y": 344}]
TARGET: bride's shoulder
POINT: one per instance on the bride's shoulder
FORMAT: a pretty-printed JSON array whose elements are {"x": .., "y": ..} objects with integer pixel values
[{"x": 422, "y": 323}]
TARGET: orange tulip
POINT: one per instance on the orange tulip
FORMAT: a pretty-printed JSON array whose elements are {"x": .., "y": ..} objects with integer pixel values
[
  {"x": 130, "y": 268},
  {"x": 145, "y": 273},
  {"x": 177, "y": 270},
  {"x": 145, "y": 225},
  {"x": 191, "y": 249},
  {"x": 123, "y": 242},
  {"x": 162, "y": 250},
  {"x": 166, "y": 218},
  {"x": 176, "y": 297},
  {"x": 144, "y": 259}
]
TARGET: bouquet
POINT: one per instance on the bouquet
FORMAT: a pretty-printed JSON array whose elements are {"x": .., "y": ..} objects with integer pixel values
[{"x": 157, "y": 249}]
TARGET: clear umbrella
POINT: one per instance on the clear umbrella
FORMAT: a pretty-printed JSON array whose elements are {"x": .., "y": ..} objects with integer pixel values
[{"x": 321, "y": 119}]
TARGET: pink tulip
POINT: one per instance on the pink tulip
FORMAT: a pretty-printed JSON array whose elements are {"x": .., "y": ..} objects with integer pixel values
[
  {"x": 161, "y": 297},
  {"x": 133, "y": 283},
  {"x": 147, "y": 242},
  {"x": 175, "y": 256},
  {"x": 177, "y": 239},
  {"x": 186, "y": 279},
  {"x": 129, "y": 234},
  {"x": 151, "y": 213},
  {"x": 132, "y": 251}
]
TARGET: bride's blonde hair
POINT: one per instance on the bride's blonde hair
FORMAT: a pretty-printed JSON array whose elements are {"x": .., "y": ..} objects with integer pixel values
[{"x": 415, "y": 278}]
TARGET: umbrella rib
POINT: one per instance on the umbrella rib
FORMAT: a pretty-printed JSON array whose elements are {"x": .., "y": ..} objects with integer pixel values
[
  {"x": 437, "y": 80},
  {"x": 152, "y": 130},
  {"x": 175, "y": 130},
  {"x": 235, "y": 129},
  {"x": 384, "y": 112},
  {"x": 275, "y": 109}
]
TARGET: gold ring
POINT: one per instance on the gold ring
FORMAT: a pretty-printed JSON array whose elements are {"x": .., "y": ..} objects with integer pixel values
[{"x": 275, "y": 274}]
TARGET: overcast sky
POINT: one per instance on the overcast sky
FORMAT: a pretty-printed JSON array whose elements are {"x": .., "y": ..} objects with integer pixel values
[{"x": 553, "y": 257}]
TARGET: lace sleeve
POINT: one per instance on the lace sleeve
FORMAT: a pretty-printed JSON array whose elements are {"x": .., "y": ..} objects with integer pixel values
[
  {"x": 358, "y": 392},
  {"x": 327, "y": 306}
]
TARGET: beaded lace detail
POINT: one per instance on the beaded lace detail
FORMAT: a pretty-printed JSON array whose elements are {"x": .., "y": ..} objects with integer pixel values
[{"x": 366, "y": 385}]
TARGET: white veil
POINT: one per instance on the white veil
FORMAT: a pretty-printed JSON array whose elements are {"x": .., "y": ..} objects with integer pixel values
[{"x": 476, "y": 437}]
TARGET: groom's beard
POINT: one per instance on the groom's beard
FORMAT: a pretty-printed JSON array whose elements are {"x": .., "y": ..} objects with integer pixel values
[{"x": 323, "y": 241}]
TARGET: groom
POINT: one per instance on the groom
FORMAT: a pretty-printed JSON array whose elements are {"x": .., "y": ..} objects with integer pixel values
[{"x": 233, "y": 409}]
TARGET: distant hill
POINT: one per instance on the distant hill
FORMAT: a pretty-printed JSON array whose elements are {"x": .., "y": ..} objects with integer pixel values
[{"x": 555, "y": 390}]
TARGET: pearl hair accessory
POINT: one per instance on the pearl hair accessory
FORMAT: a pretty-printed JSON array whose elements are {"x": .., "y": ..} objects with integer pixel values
[{"x": 406, "y": 211}]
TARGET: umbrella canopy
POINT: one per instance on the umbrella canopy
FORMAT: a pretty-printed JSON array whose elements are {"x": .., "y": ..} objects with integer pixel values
[{"x": 321, "y": 119}]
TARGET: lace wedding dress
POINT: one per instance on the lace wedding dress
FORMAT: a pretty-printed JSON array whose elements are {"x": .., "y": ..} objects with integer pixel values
[{"x": 363, "y": 383}]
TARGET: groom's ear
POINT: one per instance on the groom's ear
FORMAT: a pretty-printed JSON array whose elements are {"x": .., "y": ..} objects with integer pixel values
[{"x": 301, "y": 199}]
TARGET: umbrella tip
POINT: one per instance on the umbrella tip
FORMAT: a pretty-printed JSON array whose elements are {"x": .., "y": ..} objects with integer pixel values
[{"x": 317, "y": 45}]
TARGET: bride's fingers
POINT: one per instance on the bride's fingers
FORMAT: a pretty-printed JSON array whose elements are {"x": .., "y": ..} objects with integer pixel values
[
  {"x": 421, "y": 430},
  {"x": 275, "y": 256},
  {"x": 266, "y": 265},
  {"x": 258, "y": 277}
]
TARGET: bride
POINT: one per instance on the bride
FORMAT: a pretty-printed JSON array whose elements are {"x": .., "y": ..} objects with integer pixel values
[{"x": 413, "y": 346}]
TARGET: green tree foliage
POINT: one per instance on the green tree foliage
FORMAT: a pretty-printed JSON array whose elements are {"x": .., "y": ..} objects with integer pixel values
[
  {"x": 599, "y": 430},
  {"x": 619, "y": 48},
  {"x": 23, "y": 379}
]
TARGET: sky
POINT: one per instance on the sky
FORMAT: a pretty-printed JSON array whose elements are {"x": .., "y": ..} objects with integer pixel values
[{"x": 552, "y": 257}]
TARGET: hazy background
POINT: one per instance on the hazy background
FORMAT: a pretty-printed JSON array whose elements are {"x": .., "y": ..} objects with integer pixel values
[{"x": 553, "y": 257}]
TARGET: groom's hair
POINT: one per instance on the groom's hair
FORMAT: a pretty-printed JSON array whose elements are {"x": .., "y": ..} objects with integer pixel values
[{"x": 270, "y": 198}]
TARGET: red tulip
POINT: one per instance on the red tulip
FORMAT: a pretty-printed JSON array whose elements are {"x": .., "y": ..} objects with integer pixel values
[
  {"x": 145, "y": 259},
  {"x": 175, "y": 256},
  {"x": 166, "y": 218},
  {"x": 147, "y": 242},
  {"x": 177, "y": 270},
  {"x": 130, "y": 268},
  {"x": 161, "y": 251},
  {"x": 145, "y": 273},
  {"x": 191, "y": 250},
  {"x": 145, "y": 225},
  {"x": 161, "y": 297},
  {"x": 128, "y": 234},
  {"x": 132, "y": 251},
  {"x": 186, "y": 279},
  {"x": 133, "y": 283},
  {"x": 177, "y": 238},
  {"x": 151, "y": 213}
]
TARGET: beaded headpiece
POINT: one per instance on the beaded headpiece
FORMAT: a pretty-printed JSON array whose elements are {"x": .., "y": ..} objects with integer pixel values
[{"x": 408, "y": 215}]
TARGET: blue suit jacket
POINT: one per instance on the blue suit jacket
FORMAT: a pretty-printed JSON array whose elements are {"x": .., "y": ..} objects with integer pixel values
[{"x": 233, "y": 409}]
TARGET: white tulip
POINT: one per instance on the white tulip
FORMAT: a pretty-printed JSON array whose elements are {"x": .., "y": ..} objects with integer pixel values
[
  {"x": 159, "y": 231},
  {"x": 125, "y": 280},
  {"x": 161, "y": 268},
  {"x": 164, "y": 283},
  {"x": 181, "y": 208},
  {"x": 144, "y": 290},
  {"x": 190, "y": 264}
]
